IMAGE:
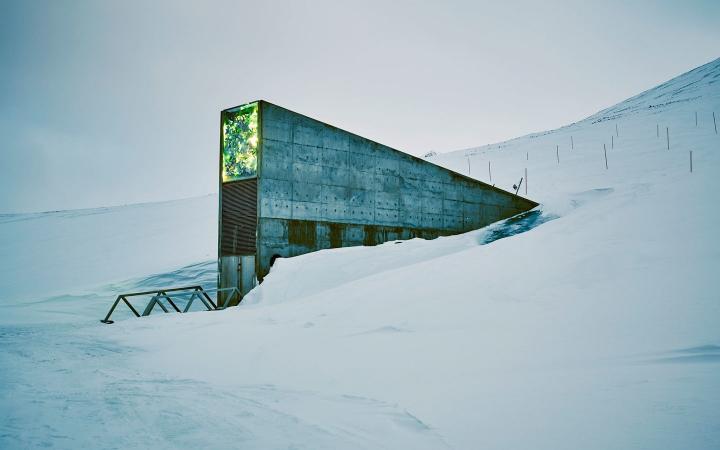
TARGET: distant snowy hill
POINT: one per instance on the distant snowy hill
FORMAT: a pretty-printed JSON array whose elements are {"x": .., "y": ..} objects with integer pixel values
[
  {"x": 62, "y": 251},
  {"x": 641, "y": 123},
  {"x": 589, "y": 323}
]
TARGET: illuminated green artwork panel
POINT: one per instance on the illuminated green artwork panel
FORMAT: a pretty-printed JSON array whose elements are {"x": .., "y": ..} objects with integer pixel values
[{"x": 240, "y": 143}]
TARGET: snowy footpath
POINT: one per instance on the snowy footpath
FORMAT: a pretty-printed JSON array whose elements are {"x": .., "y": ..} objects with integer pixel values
[{"x": 592, "y": 322}]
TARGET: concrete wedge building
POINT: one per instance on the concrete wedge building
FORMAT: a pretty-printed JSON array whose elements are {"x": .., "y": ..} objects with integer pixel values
[{"x": 290, "y": 185}]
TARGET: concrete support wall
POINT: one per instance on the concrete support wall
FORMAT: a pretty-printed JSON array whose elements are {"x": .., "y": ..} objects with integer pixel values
[{"x": 322, "y": 187}]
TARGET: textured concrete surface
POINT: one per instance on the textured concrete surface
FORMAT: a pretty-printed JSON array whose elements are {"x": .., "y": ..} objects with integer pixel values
[{"x": 322, "y": 187}]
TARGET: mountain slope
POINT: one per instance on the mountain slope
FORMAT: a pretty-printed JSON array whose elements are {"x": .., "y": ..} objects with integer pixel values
[{"x": 633, "y": 132}]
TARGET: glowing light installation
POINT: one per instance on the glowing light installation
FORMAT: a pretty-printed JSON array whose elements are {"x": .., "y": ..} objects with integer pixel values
[{"x": 240, "y": 141}]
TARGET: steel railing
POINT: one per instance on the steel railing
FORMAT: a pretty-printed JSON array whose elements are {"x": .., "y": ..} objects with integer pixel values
[{"x": 188, "y": 293}]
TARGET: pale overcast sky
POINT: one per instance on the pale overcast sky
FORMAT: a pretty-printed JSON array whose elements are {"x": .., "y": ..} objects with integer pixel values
[{"x": 114, "y": 102}]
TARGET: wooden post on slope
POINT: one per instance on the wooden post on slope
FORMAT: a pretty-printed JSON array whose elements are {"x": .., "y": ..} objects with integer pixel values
[
  {"x": 695, "y": 119},
  {"x": 557, "y": 153},
  {"x": 690, "y": 161},
  {"x": 605, "y": 151},
  {"x": 489, "y": 172},
  {"x": 572, "y": 147},
  {"x": 667, "y": 136},
  {"x": 658, "y": 130},
  {"x": 468, "y": 158},
  {"x": 714, "y": 123},
  {"x": 612, "y": 142},
  {"x": 616, "y": 131}
]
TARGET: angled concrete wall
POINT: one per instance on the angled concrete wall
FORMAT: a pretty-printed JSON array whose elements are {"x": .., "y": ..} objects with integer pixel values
[{"x": 322, "y": 187}]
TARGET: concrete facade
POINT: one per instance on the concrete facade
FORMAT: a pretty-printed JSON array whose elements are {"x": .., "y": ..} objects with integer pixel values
[{"x": 321, "y": 187}]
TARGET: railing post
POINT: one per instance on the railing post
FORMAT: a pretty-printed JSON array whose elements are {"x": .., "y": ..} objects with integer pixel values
[
  {"x": 170, "y": 301},
  {"x": 112, "y": 309},
  {"x": 207, "y": 297}
]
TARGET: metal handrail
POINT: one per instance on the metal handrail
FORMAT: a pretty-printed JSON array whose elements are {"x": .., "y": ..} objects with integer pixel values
[
  {"x": 235, "y": 291},
  {"x": 196, "y": 292}
]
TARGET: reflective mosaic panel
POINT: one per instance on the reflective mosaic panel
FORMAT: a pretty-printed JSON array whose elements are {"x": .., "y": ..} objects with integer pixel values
[{"x": 240, "y": 143}]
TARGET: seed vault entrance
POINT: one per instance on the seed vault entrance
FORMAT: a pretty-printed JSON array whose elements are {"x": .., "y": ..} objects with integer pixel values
[
  {"x": 290, "y": 185},
  {"x": 237, "y": 231}
]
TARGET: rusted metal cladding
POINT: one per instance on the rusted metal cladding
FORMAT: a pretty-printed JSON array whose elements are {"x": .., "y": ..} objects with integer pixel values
[
  {"x": 239, "y": 217},
  {"x": 322, "y": 187}
]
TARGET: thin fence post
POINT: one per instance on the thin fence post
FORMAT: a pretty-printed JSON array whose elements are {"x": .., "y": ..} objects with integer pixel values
[
  {"x": 690, "y": 161},
  {"x": 572, "y": 145},
  {"x": 667, "y": 135},
  {"x": 695, "y": 119},
  {"x": 714, "y": 123},
  {"x": 616, "y": 131},
  {"x": 489, "y": 171},
  {"x": 658, "y": 129},
  {"x": 557, "y": 153},
  {"x": 517, "y": 189},
  {"x": 468, "y": 159},
  {"x": 527, "y": 156},
  {"x": 612, "y": 142},
  {"x": 605, "y": 152}
]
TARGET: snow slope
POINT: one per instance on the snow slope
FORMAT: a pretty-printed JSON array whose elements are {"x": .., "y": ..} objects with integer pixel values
[
  {"x": 634, "y": 152},
  {"x": 56, "y": 252},
  {"x": 590, "y": 323}
]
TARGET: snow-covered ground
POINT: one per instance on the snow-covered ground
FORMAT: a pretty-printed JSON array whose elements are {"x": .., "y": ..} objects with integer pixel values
[{"x": 593, "y": 322}]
